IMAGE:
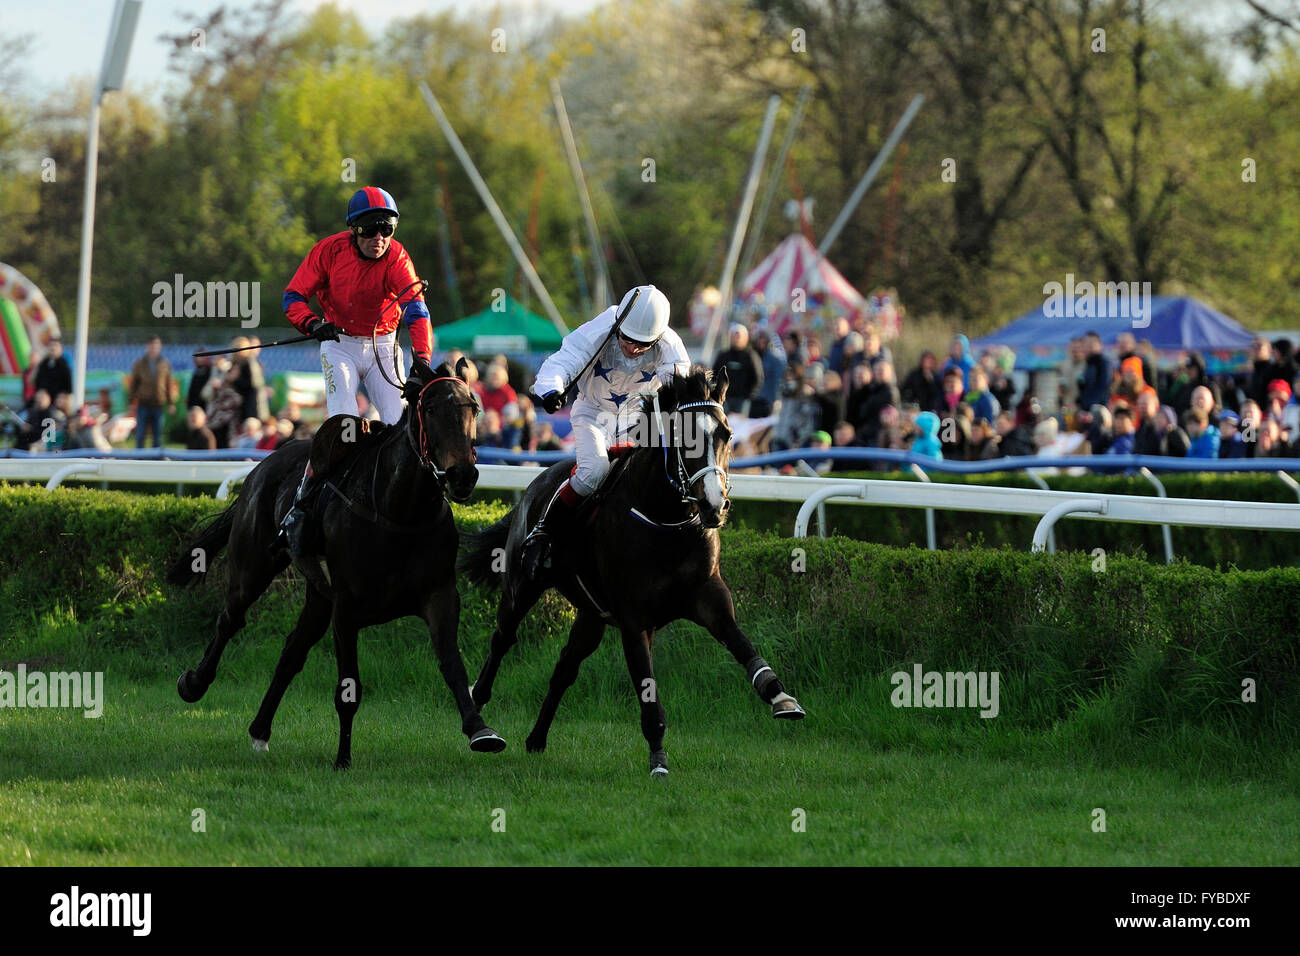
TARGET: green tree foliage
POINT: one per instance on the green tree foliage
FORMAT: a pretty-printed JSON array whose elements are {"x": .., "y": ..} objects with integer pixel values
[{"x": 1148, "y": 160}]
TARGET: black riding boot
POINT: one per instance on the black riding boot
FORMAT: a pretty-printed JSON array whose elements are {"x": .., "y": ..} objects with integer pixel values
[
  {"x": 294, "y": 526},
  {"x": 556, "y": 520}
]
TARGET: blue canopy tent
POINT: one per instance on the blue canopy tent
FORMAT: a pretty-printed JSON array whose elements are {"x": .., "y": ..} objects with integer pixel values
[{"x": 1177, "y": 324}]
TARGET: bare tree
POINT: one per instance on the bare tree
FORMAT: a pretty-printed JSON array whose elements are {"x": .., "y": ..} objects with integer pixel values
[{"x": 1099, "y": 126}]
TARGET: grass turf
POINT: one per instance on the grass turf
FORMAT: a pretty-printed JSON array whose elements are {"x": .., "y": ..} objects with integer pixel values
[{"x": 877, "y": 785}]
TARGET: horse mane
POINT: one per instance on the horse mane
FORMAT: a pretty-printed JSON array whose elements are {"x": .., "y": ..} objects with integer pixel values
[{"x": 694, "y": 386}]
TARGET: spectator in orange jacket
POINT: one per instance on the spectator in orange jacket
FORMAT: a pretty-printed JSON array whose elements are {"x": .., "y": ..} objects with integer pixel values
[{"x": 1130, "y": 387}]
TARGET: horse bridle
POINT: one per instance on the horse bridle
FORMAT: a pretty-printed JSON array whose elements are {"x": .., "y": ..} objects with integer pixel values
[
  {"x": 424, "y": 450},
  {"x": 679, "y": 477}
]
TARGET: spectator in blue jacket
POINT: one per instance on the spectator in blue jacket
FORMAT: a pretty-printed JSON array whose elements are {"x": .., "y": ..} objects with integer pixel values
[
  {"x": 1122, "y": 419},
  {"x": 960, "y": 357},
  {"x": 1094, "y": 384},
  {"x": 927, "y": 442},
  {"x": 979, "y": 398},
  {"x": 1230, "y": 443},
  {"x": 772, "y": 358},
  {"x": 841, "y": 333},
  {"x": 1204, "y": 436}
]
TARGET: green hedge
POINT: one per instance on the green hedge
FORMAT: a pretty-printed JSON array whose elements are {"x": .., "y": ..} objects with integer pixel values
[
  {"x": 1135, "y": 648},
  {"x": 903, "y": 527}
]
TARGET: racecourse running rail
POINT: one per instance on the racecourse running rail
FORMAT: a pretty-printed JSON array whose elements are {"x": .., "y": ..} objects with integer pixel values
[{"x": 184, "y": 468}]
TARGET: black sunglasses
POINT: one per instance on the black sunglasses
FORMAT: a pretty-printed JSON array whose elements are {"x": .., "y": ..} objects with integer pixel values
[
  {"x": 640, "y": 346},
  {"x": 383, "y": 227}
]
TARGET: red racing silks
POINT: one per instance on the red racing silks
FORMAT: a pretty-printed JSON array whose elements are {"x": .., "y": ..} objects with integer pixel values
[{"x": 357, "y": 294}]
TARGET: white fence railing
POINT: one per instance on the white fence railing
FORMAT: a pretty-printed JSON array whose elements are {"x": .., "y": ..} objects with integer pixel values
[
  {"x": 1051, "y": 506},
  {"x": 808, "y": 493}
]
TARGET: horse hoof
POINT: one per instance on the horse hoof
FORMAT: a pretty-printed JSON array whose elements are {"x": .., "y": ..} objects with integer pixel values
[
  {"x": 535, "y": 745},
  {"x": 185, "y": 687},
  {"x": 261, "y": 746},
  {"x": 659, "y": 765},
  {"x": 480, "y": 704},
  {"x": 787, "y": 709},
  {"x": 343, "y": 763},
  {"x": 486, "y": 741}
]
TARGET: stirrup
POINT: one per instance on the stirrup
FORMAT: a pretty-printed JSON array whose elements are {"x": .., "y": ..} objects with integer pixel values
[
  {"x": 295, "y": 532},
  {"x": 535, "y": 553},
  {"x": 293, "y": 525}
]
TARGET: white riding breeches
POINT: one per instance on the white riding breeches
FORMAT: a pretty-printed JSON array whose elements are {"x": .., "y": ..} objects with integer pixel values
[
  {"x": 352, "y": 362},
  {"x": 591, "y": 445}
]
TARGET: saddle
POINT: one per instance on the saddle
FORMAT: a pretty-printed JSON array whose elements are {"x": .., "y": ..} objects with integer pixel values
[
  {"x": 340, "y": 439},
  {"x": 619, "y": 456},
  {"x": 335, "y": 452}
]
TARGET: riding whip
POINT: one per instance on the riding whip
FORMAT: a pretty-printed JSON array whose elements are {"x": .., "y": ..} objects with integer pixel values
[
  {"x": 244, "y": 348},
  {"x": 618, "y": 322}
]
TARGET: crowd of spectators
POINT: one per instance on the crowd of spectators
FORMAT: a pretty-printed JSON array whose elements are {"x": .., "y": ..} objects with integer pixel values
[
  {"x": 1108, "y": 401},
  {"x": 228, "y": 402}
]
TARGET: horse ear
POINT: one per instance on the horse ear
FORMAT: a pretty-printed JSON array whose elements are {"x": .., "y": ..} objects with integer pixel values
[
  {"x": 420, "y": 373},
  {"x": 461, "y": 364},
  {"x": 720, "y": 382}
]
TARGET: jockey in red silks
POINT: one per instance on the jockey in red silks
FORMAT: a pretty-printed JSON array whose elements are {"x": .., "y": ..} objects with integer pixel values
[{"x": 366, "y": 284}]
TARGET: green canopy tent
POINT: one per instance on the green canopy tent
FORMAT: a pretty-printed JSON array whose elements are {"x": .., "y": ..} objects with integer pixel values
[{"x": 510, "y": 329}]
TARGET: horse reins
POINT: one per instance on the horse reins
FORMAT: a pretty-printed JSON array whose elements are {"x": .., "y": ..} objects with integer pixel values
[{"x": 397, "y": 352}]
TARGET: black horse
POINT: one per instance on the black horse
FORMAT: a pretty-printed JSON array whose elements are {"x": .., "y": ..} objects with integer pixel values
[
  {"x": 388, "y": 546},
  {"x": 644, "y": 554}
]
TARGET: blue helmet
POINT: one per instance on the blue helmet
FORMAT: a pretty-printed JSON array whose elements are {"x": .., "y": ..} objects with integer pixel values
[{"x": 370, "y": 199}]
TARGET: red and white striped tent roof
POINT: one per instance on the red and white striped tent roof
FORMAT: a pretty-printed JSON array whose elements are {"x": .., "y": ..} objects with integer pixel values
[{"x": 771, "y": 286}]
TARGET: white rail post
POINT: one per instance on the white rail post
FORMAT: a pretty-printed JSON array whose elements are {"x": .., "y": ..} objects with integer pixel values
[
  {"x": 816, "y": 498},
  {"x": 929, "y": 512},
  {"x": 808, "y": 471},
  {"x": 1041, "y": 482},
  {"x": 1059, "y": 511},
  {"x": 223, "y": 490},
  {"x": 1291, "y": 482},
  {"x": 1145, "y": 472},
  {"x": 75, "y": 468}
]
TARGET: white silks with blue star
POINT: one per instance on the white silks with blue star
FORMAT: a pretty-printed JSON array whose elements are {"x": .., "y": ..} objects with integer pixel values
[{"x": 613, "y": 378}]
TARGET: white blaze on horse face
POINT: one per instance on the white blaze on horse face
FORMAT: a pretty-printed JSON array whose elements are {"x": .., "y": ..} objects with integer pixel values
[{"x": 713, "y": 491}]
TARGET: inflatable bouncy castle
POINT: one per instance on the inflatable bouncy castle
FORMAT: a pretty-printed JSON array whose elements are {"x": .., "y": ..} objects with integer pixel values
[{"x": 27, "y": 323}]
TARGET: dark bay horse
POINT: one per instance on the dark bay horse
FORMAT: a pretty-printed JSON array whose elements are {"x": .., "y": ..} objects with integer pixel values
[
  {"x": 645, "y": 554},
  {"x": 388, "y": 548}
]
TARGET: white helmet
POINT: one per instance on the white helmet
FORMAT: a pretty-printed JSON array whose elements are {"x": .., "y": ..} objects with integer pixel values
[{"x": 648, "y": 318}]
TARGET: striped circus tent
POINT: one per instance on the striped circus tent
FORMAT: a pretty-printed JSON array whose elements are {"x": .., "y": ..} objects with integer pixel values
[{"x": 770, "y": 292}]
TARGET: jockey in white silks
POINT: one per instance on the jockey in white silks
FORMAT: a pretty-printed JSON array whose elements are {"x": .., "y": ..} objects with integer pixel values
[{"x": 642, "y": 356}]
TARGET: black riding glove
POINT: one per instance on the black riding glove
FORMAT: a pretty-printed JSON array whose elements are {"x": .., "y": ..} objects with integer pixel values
[
  {"x": 553, "y": 401},
  {"x": 323, "y": 331}
]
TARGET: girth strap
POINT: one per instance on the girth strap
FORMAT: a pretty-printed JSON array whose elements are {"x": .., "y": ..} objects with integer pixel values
[{"x": 374, "y": 517}]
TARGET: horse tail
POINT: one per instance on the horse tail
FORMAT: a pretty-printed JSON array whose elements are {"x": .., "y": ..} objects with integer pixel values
[
  {"x": 210, "y": 541},
  {"x": 477, "y": 558}
]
